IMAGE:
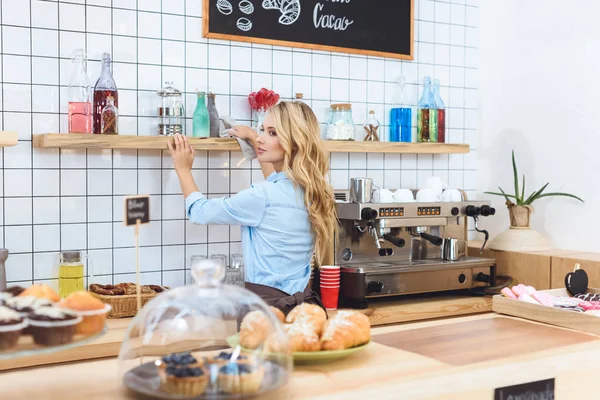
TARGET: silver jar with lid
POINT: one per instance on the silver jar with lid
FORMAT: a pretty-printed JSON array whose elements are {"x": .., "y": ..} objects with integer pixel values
[{"x": 171, "y": 115}]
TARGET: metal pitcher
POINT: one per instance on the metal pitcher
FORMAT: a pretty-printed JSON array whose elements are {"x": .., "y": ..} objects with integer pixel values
[
  {"x": 450, "y": 249},
  {"x": 361, "y": 190}
]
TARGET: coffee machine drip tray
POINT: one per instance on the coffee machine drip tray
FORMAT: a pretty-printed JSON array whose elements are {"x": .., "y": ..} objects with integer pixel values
[
  {"x": 360, "y": 282},
  {"x": 416, "y": 265}
]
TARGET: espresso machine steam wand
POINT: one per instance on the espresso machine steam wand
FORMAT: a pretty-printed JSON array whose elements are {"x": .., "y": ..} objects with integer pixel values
[{"x": 475, "y": 212}]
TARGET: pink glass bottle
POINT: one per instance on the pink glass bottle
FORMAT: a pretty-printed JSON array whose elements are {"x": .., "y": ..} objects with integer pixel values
[
  {"x": 105, "y": 87},
  {"x": 80, "y": 103}
]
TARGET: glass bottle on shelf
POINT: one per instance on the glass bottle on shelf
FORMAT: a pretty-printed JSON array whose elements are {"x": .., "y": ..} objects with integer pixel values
[
  {"x": 215, "y": 122},
  {"x": 105, "y": 87},
  {"x": 400, "y": 116},
  {"x": 201, "y": 119},
  {"x": 426, "y": 115},
  {"x": 441, "y": 112},
  {"x": 70, "y": 272},
  {"x": 341, "y": 123},
  {"x": 299, "y": 97},
  {"x": 80, "y": 102},
  {"x": 371, "y": 127},
  {"x": 109, "y": 118}
]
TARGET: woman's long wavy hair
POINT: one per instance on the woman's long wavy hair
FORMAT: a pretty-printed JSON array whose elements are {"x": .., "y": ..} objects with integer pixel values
[{"x": 307, "y": 163}]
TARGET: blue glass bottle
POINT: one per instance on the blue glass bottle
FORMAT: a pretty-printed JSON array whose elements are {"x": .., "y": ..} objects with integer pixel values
[
  {"x": 201, "y": 119},
  {"x": 400, "y": 116}
]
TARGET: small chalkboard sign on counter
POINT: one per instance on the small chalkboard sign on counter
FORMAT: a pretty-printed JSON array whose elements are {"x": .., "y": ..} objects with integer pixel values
[
  {"x": 371, "y": 27},
  {"x": 137, "y": 208}
]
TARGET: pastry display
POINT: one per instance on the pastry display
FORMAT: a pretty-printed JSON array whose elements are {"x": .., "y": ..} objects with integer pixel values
[
  {"x": 184, "y": 380},
  {"x": 345, "y": 330},
  {"x": 11, "y": 326},
  {"x": 254, "y": 329},
  {"x": 302, "y": 337},
  {"x": 41, "y": 291},
  {"x": 125, "y": 289},
  {"x": 308, "y": 314},
  {"x": 122, "y": 297},
  {"x": 236, "y": 377},
  {"x": 92, "y": 310},
  {"x": 51, "y": 326},
  {"x": 27, "y": 304}
]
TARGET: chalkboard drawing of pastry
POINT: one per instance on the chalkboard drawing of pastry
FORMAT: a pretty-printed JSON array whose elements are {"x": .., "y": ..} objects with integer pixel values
[
  {"x": 246, "y": 7},
  {"x": 271, "y": 4},
  {"x": 290, "y": 11},
  {"x": 224, "y": 7},
  {"x": 244, "y": 24}
]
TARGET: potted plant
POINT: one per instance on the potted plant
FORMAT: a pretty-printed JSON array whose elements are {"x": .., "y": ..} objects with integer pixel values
[{"x": 520, "y": 237}]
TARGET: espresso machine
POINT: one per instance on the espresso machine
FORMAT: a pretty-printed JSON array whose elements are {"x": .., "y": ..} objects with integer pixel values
[{"x": 399, "y": 248}]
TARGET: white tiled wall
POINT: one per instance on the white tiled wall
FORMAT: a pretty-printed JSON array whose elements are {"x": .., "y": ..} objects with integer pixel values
[{"x": 69, "y": 199}]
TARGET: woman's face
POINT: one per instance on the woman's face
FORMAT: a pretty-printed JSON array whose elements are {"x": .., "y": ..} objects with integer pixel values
[{"x": 269, "y": 149}]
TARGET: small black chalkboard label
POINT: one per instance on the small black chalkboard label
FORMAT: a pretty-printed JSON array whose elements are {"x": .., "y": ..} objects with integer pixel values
[
  {"x": 538, "y": 390},
  {"x": 137, "y": 208}
]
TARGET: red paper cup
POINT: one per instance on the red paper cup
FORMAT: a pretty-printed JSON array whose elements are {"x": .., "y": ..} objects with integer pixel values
[
  {"x": 327, "y": 282},
  {"x": 330, "y": 274},
  {"x": 329, "y": 268},
  {"x": 330, "y": 297},
  {"x": 330, "y": 279}
]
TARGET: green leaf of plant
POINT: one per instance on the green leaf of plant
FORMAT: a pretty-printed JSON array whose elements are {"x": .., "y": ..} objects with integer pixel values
[
  {"x": 516, "y": 175},
  {"x": 533, "y": 195},
  {"x": 520, "y": 203},
  {"x": 560, "y": 194}
]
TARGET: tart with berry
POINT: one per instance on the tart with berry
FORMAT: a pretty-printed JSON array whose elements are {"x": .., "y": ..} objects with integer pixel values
[
  {"x": 224, "y": 357},
  {"x": 243, "y": 377},
  {"x": 184, "y": 380}
]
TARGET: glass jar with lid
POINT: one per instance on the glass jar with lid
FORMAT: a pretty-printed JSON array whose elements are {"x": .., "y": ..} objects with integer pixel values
[
  {"x": 171, "y": 116},
  {"x": 186, "y": 343},
  {"x": 341, "y": 124}
]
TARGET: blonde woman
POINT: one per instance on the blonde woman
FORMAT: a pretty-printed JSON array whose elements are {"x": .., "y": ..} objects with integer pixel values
[{"x": 285, "y": 218}]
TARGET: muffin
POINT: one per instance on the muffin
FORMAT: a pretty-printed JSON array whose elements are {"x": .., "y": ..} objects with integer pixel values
[
  {"x": 41, "y": 291},
  {"x": 184, "y": 380},
  {"x": 5, "y": 296},
  {"x": 240, "y": 377},
  {"x": 26, "y": 305},
  {"x": 90, "y": 308},
  {"x": 52, "y": 326},
  {"x": 11, "y": 326},
  {"x": 15, "y": 290}
]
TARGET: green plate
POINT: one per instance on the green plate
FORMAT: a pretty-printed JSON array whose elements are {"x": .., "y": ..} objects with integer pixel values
[{"x": 307, "y": 357}]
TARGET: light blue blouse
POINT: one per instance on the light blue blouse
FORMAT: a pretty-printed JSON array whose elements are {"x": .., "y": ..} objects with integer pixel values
[{"x": 277, "y": 241}]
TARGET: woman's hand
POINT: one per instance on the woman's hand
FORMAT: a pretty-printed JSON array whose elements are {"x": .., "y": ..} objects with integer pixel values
[
  {"x": 182, "y": 153},
  {"x": 243, "y": 132}
]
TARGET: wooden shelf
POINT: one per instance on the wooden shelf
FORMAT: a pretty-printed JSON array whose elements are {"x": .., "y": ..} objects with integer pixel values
[
  {"x": 85, "y": 141},
  {"x": 8, "y": 138}
]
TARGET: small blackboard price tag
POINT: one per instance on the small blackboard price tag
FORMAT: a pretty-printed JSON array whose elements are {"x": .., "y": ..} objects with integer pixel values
[
  {"x": 137, "y": 208},
  {"x": 538, "y": 390}
]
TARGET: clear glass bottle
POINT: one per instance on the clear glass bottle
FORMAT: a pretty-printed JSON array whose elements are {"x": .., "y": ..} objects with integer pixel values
[
  {"x": 105, "y": 86},
  {"x": 400, "y": 116},
  {"x": 201, "y": 119},
  {"x": 371, "y": 127},
  {"x": 299, "y": 97},
  {"x": 341, "y": 124},
  {"x": 171, "y": 114},
  {"x": 215, "y": 122},
  {"x": 426, "y": 113},
  {"x": 80, "y": 102},
  {"x": 441, "y": 112},
  {"x": 71, "y": 272},
  {"x": 110, "y": 118}
]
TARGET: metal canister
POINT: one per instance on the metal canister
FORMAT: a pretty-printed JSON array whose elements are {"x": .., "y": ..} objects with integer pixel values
[{"x": 171, "y": 115}]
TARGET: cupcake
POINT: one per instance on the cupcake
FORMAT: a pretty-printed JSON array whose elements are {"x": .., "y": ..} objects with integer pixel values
[
  {"x": 184, "y": 380},
  {"x": 26, "y": 305},
  {"x": 41, "y": 291},
  {"x": 11, "y": 326},
  {"x": 52, "y": 326},
  {"x": 90, "y": 308},
  {"x": 224, "y": 357},
  {"x": 240, "y": 377},
  {"x": 5, "y": 296},
  {"x": 15, "y": 290}
]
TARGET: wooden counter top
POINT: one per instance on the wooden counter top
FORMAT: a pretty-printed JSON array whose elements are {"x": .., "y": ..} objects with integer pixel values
[
  {"x": 382, "y": 312},
  {"x": 458, "y": 358}
]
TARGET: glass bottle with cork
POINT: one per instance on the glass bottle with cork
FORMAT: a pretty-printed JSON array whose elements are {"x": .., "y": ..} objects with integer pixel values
[
  {"x": 426, "y": 114},
  {"x": 109, "y": 118},
  {"x": 80, "y": 101},
  {"x": 441, "y": 112},
  {"x": 70, "y": 272},
  {"x": 105, "y": 87},
  {"x": 371, "y": 126},
  {"x": 201, "y": 119}
]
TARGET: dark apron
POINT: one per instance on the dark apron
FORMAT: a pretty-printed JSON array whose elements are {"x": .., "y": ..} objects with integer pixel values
[{"x": 283, "y": 301}]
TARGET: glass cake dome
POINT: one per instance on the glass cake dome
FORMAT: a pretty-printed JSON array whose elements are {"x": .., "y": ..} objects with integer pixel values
[{"x": 185, "y": 344}]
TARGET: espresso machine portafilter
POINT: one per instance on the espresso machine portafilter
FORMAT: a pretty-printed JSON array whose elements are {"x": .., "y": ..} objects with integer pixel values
[{"x": 392, "y": 249}]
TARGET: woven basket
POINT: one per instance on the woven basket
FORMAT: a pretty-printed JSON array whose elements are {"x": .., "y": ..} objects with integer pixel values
[{"x": 124, "y": 305}]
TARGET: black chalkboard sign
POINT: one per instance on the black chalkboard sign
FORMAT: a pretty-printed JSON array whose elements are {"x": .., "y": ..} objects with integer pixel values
[
  {"x": 373, "y": 27},
  {"x": 531, "y": 390},
  {"x": 137, "y": 208}
]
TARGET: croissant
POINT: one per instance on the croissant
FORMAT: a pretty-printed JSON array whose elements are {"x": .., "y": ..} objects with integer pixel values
[
  {"x": 347, "y": 329},
  {"x": 278, "y": 313},
  {"x": 308, "y": 314},
  {"x": 254, "y": 329},
  {"x": 302, "y": 337}
]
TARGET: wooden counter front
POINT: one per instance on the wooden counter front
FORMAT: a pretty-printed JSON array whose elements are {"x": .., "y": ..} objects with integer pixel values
[
  {"x": 382, "y": 312},
  {"x": 459, "y": 358}
]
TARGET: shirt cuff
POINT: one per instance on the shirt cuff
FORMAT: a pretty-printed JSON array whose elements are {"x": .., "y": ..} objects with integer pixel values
[{"x": 191, "y": 199}]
